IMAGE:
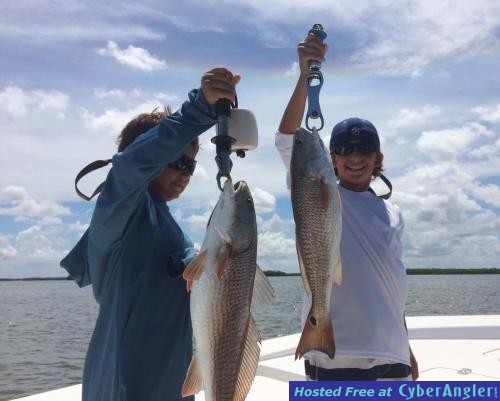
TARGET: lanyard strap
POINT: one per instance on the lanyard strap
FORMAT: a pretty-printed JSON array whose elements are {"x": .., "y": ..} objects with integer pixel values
[
  {"x": 84, "y": 171},
  {"x": 389, "y": 185}
]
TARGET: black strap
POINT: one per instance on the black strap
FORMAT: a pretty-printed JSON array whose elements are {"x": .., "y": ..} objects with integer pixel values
[
  {"x": 389, "y": 185},
  {"x": 87, "y": 169},
  {"x": 387, "y": 371}
]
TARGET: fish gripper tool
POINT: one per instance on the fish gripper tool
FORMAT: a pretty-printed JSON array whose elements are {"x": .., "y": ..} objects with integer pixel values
[{"x": 314, "y": 82}]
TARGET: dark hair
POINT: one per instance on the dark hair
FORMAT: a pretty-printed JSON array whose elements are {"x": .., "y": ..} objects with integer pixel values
[{"x": 139, "y": 125}]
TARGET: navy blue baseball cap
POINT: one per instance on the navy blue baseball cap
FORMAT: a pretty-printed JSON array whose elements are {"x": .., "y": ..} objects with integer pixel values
[{"x": 354, "y": 129}]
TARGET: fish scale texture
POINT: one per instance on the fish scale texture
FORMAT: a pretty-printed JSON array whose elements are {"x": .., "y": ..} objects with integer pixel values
[
  {"x": 224, "y": 323},
  {"x": 317, "y": 228},
  {"x": 233, "y": 323}
]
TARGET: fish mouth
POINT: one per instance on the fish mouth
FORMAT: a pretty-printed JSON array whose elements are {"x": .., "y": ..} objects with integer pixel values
[{"x": 240, "y": 186}]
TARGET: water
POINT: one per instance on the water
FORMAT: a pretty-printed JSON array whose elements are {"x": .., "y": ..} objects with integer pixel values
[{"x": 45, "y": 326}]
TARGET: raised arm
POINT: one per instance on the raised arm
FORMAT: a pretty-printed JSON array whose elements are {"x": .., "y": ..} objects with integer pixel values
[
  {"x": 310, "y": 49},
  {"x": 151, "y": 152}
]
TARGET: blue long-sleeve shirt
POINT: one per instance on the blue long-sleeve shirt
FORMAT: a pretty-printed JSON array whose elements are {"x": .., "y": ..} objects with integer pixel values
[{"x": 133, "y": 255}]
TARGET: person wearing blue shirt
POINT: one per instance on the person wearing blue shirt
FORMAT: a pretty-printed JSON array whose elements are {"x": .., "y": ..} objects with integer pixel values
[{"x": 134, "y": 253}]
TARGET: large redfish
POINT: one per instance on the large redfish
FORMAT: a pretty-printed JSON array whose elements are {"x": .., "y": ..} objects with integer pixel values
[
  {"x": 221, "y": 279},
  {"x": 318, "y": 221}
]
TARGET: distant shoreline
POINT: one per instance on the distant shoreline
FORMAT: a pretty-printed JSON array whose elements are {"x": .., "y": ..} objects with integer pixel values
[
  {"x": 493, "y": 270},
  {"x": 278, "y": 273}
]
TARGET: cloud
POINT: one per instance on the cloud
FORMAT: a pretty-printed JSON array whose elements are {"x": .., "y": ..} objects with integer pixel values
[
  {"x": 33, "y": 252},
  {"x": 16, "y": 102},
  {"x": 135, "y": 57},
  {"x": 450, "y": 143},
  {"x": 6, "y": 249},
  {"x": 450, "y": 215},
  {"x": 391, "y": 40},
  {"x": 277, "y": 252},
  {"x": 487, "y": 193},
  {"x": 60, "y": 22},
  {"x": 78, "y": 227},
  {"x": 198, "y": 223},
  {"x": 131, "y": 105},
  {"x": 414, "y": 118},
  {"x": 276, "y": 224},
  {"x": 115, "y": 94},
  {"x": 16, "y": 201},
  {"x": 489, "y": 114},
  {"x": 293, "y": 71},
  {"x": 264, "y": 202}
]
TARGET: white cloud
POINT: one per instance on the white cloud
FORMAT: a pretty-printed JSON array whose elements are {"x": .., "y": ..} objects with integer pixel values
[
  {"x": 16, "y": 102},
  {"x": 277, "y": 252},
  {"x": 16, "y": 201},
  {"x": 34, "y": 252},
  {"x": 490, "y": 114},
  {"x": 294, "y": 70},
  {"x": 118, "y": 94},
  {"x": 6, "y": 249},
  {"x": 275, "y": 224},
  {"x": 450, "y": 143},
  {"x": 447, "y": 210},
  {"x": 198, "y": 223},
  {"x": 488, "y": 150},
  {"x": 264, "y": 201},
  {"x": 78, "y": 227},
  {"x": 113, "y": 120},
  {"x": 416, "y": 117},
  {"x": 135, "y": 57},
  {"x": 49, "y": 221},
  {"x": 488, "y": 193}
]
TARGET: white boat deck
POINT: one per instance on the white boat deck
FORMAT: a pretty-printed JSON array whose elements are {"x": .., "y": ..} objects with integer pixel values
[{"x": 447, "y": 348}]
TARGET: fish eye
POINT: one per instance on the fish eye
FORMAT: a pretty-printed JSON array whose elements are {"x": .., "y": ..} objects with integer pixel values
[
  {"x": 249, "y": 200},
  {"x": 298, "y": 141}
]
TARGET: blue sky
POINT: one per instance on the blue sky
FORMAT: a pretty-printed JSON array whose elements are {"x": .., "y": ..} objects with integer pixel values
[{"x": 425, "y": 73}]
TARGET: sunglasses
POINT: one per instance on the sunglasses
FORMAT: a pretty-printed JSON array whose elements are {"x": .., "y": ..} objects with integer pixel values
[
  {"x": 348, "y": 148},
  {"x": 184, "y": 164}
]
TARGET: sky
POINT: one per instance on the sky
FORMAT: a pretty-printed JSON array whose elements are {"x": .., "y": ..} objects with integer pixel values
[{"x": 425, "y": 73}]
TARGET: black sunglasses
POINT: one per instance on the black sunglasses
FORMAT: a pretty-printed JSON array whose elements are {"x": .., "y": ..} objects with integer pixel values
[
  {"x": 184, "y": 164},
  {"x": 348, "y": 148}
]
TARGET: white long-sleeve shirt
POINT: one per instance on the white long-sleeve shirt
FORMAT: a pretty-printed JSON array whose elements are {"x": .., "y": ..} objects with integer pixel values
[{"x": 368, "y": 307}]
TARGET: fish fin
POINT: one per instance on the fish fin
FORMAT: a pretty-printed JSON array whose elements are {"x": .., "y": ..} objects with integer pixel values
[
  {"x": 224, "y": 236},
  {"x": 222, "y": 261},
  {"x": 303, "y": 272},
  {"x": 325, "y": 194},
  {"x": 193, "y": 383},
  {"x": 263, "y": 292},
  {"x": 316, "y": 336},
  {"x": 249, "y": 362},
  {"x": 337, "y": 276},
  {"x": 195, "y": 268}
]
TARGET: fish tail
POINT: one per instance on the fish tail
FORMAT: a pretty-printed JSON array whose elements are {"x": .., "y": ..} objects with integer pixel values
[{"x": 316, "y": 336}]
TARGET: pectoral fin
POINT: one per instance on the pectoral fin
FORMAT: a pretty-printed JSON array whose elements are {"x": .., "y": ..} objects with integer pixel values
[
  {"x": 222, "y": 261},
  {"x": 194, "y": 269},
  {"x": 303, "y": 271},
  {"x": 193, "y": 383},
  {"x": 325, "y": 194}
]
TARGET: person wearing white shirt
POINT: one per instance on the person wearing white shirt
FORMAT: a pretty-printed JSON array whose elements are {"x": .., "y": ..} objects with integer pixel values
[{"x": 368, "y": 307}]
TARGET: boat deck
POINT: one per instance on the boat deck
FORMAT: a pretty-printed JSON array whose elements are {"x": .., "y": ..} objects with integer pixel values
[{"x": 447, "y": 348}]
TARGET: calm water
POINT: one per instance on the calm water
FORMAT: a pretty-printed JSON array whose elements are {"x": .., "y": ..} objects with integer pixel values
[{"x": 45, "y": 326}]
